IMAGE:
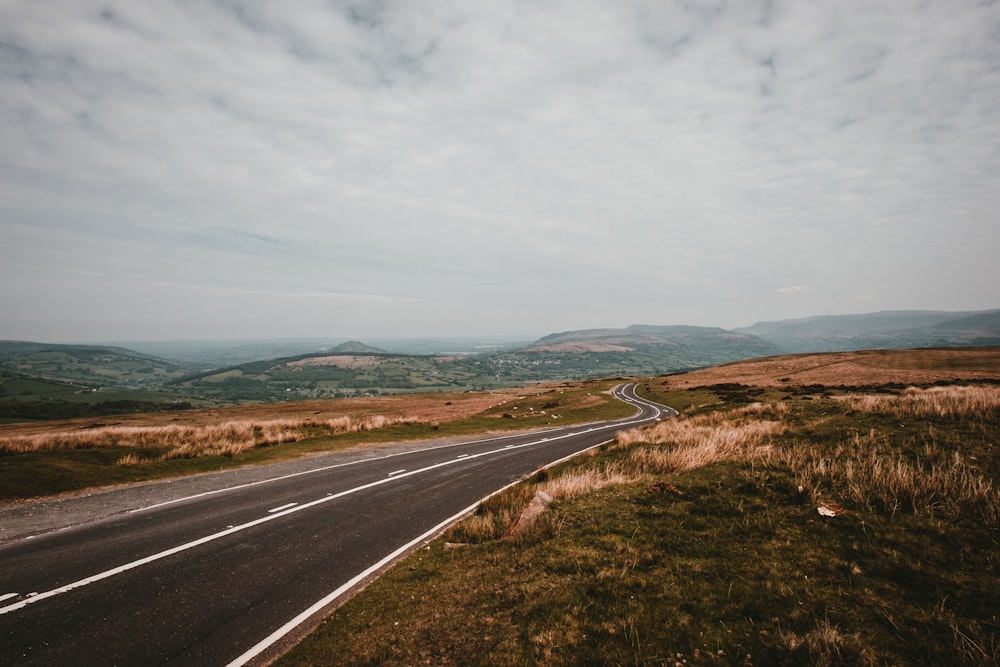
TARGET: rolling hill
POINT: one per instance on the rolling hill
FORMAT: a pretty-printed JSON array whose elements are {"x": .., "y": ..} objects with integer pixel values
[
  {"x": 94, "y": 366},
  {"x": 50, "y": 381},
  {"x": 882, "y": 330},
  {"x": 56, "y": 374}
]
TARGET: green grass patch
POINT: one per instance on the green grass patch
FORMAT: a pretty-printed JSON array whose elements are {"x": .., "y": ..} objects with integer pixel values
[{"x": 727, "y": 563}]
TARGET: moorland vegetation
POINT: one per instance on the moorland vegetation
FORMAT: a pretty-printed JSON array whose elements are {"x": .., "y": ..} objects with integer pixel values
[
  {"x": 771, "y": 524},
  {"x": 817, "y": 509}
]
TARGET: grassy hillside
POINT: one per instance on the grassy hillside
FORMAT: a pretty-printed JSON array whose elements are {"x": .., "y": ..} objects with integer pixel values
[
  {"x": 335, "y": 375},
  {"x": 655, "y": 349},
  {"x": 126, "y": 381},
  {"x": 347, "y": 369},
  {"x": 772, "y": 523},
  {"x": 25, "y": 398},
  {"x": 889, "y": 329},
  {"x": 868, "y": 367},
  {"x": 87, "y": 365},
  {"x": 356, "y": 372}
]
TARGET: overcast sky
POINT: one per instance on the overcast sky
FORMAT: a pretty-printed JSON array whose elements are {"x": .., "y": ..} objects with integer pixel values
[{"x": 186, "y": 169}]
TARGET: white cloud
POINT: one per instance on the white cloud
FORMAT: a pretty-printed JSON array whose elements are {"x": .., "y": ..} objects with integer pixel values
[{"x": 485, "y": 157}]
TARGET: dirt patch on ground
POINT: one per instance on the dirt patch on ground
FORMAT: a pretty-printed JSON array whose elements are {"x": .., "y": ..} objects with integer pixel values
[{"x": 852, "y": 368}]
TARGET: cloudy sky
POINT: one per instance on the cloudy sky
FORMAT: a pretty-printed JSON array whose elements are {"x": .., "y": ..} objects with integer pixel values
[{"x": 192, "y": 169}]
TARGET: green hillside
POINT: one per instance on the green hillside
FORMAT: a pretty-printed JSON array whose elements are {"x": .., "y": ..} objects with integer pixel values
[
  {"x": 883, "y": 330},
  {"x": 90, "y": 365},
  {"x": 26, "y": 398}
]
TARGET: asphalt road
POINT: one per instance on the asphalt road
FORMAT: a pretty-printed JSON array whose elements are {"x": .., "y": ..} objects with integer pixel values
[{"x": 224, "y": 577}]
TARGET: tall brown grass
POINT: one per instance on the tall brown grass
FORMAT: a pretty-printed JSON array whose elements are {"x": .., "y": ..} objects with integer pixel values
[
  {"x": 584, "y": 480},
  {"x": 864, "y": 473},
  {"x": 684, "y": 443},
  {"x": 867, "y": 472},
  {"x": 497, "y": 514},
  {"x": 974, "y": 402},
  {"x": 226, "y": 438},
  {"x": 492, "y": 518}
]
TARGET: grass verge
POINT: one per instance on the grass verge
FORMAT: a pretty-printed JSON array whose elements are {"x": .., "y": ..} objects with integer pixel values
[
  {"x": 674, "y": 548},
  {"x": 45, "y": 459}
]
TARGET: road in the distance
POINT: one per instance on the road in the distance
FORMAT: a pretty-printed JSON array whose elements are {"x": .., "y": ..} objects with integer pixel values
[{"x": 216, "y": 579}]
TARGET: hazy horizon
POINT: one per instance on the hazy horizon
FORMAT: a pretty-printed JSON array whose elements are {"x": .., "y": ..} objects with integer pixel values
[
  {"x": 499, "y": 338},
  {"x": 240, "y": 170}
]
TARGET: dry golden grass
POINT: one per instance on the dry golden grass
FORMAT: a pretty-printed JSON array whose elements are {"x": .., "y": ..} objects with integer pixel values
[
  {"x": 227, "y": 438},
  {"x": 691, "y": 442},
  {"x": 585, "y": 480},
  {"x": 424, "y": 407},
  {"x": 865, "y": 471},
  {"x": 862, "y": 473},
  {"x": 493, "y": 517},
  {"x": 976, "y": 402},
  {"x": 869, "y": 367},
  {"x": 826, "y": 645}
]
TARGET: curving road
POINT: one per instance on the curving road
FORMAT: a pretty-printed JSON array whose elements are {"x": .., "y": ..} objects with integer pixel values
[{"x": 226, "y": 577}]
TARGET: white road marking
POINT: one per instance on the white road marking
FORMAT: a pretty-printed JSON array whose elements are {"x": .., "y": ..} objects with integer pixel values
[
  {"x": 396, "y": 472},
  {"x": 399, "y": 474},
  {"x": 7, "y": 596},
  {"x": 263, "y": 644},
  {"x": 311, "y": 471},
  {"x": 38, "y": 597},
  {"x": 318, "y": 606},
  {"x": 283, "y": 507},
  {"x": 461, "y": 456}
]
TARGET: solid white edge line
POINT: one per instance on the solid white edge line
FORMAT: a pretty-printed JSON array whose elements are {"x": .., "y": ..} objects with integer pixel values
[
  {"x": 399, "y": 474},
  {"x": 275, "y": 636},
  {"x": 7, "y": 596},
  {"x": 620, "y": 395},
  {"x": 262, "y": 645},
  {"x": 234, "y": 529},
  {"x": 272, "y": 638},
  {"x": 331, "y": 467}
]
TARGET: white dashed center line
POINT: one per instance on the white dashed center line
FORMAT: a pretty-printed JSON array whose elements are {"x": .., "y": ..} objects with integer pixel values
[{"x": 283, "y": 507}]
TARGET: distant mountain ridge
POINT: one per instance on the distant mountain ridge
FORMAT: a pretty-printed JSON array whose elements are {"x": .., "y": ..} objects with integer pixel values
[
  {"x": 91, "y": 365},
  {"x": 14, "y": 348},
  {"x": 335, "y": 367},
  {"x": 647, "y": 337},
  {"x": 881, "y": 330}
]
